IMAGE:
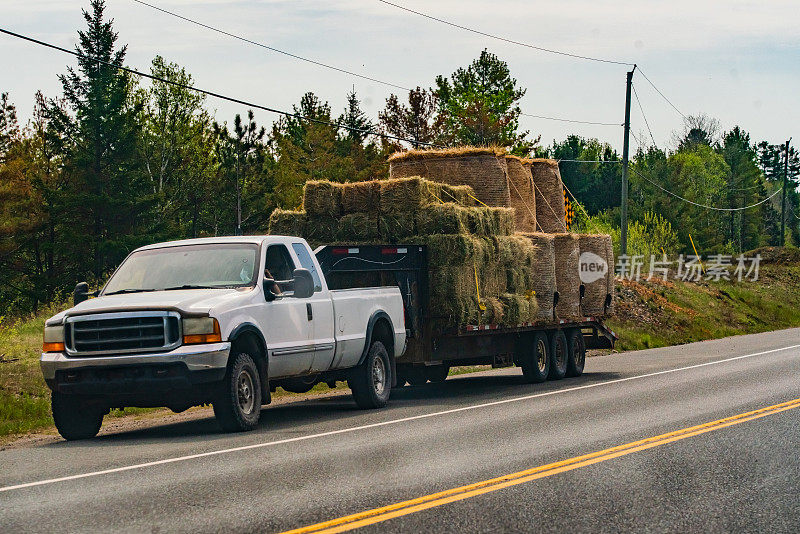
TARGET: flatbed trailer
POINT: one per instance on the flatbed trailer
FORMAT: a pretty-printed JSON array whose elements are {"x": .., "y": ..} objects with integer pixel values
[{"x": 548, "y": 349}]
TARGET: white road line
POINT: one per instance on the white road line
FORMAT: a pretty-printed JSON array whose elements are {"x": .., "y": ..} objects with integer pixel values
[{"x": 383, "y": 423}]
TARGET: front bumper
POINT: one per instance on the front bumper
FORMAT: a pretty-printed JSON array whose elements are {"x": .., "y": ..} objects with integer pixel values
[{"x": 180, "y": 368}]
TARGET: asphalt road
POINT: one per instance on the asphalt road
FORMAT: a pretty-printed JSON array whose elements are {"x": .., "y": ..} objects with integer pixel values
[{"x": 320, "y": 460}]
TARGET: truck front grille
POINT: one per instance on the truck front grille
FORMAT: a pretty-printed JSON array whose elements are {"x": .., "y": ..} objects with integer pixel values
[{"x": 122, "y": 333}]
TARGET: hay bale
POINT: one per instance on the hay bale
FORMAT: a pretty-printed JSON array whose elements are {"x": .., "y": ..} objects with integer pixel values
[
  {"x": 568, "y": 283},
  {"x": 287, "y": 222},
  {"x": 504, "y": 219},
  {"x": 522, "y": 197},
  {"x": 361, "y": 197},
  {"x": 450, "y": 250},
  {"x": 322, "y": 198},
  {"x": 395, "y": 227},
  {"x": 321, "y": 230},
  {"x": 484, "y": 169},
  {"x": 493, "y": 312},
  {"x": 358, "y": 227},
  {"x": 518, "y": 309},
  {"x": 543, "y": 273},
  {"x": 441, "y": 219},
  {"x": 407, "y": 194},
  {"x": 593, "y": 251},
  {"x": 611, "y": 280},
  {"x": 549, "y": 196},
  {"x": 460, "y": 194}
]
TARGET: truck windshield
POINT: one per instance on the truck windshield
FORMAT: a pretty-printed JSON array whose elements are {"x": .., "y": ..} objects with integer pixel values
[{"x": 186, "y": 267}]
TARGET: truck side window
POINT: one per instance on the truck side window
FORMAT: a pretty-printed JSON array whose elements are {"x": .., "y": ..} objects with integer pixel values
[
  {"x": 278, "y": 263},
  {"x": 307, "y": 263}
]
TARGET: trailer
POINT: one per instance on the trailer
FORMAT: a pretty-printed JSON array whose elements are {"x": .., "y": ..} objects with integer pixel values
[{"x": 545, "y": 350}]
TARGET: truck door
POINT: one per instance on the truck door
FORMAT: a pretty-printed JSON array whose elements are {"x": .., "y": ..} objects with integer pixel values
[
  {"x": 291, "y": 347},
  {"x": 322, "y": 323}
]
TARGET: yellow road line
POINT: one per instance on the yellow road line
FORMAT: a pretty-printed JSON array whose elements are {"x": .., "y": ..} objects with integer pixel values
[{"x": 418, "y": 504}]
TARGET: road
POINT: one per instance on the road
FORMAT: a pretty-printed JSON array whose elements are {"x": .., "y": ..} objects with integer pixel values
[{"x": 322, "y": 460}]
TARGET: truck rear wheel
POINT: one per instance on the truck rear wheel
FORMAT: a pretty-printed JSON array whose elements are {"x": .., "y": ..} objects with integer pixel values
[
  {"x": 437, "y": 373},
  {"x": 558, "y": 355},
  {"x": 577, "y": 352},
  {"x": 238, "y": 403},
  {"x": 535, "y": 361},
  {"x": 75, "y": 418},
  {"x": 371, "y": 382}
]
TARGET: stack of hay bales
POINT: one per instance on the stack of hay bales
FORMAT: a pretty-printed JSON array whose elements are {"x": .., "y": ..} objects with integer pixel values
[
  {"x": 483, "y": 169},
  {"x": 549, "y": 192},
  {"x": 568, "y": 283},
  {"x": 523, "y": 199},
  {"x": 595, "y": 290},
  {"x": 479, "y": 272}
]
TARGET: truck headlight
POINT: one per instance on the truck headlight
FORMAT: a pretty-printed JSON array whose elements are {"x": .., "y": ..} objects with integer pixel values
[
  {"x": 53, "y": 339},
  {"x": 201, "y": 330}
]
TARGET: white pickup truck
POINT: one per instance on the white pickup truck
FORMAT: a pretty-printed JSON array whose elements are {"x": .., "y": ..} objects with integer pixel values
[{"x": 222, "y": 321}]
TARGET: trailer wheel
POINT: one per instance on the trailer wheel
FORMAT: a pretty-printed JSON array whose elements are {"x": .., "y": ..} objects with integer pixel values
[
  {"x": 371, "y": 382},
  {"x": 237, "y": 406},
  {"x": 437, "y": 373},
  {"x": 558, "y": 355},
  {"x": 577, "y": 352},
  {"x": 74, "y": 418},
  {"x": 535, "y": 361}
]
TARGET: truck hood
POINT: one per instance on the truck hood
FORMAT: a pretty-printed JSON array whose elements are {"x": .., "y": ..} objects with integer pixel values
[{"x": 186, "y": 301}]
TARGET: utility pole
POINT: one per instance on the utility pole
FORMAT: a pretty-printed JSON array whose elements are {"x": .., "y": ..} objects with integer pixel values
[
  {"x": 623, "y": 235},
  {"x": 783, "y": 195}
]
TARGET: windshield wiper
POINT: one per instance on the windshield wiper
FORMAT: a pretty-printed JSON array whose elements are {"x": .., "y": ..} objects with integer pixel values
[
  {"x": 189, "y": 286},
  {"x": 121, "y": 291}
]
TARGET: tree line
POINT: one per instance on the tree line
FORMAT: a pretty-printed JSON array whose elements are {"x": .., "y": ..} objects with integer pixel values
[{"x": 112, "y": 163}]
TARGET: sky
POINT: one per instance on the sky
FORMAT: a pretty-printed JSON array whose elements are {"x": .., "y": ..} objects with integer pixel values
[{"x": 737, "y": 61}]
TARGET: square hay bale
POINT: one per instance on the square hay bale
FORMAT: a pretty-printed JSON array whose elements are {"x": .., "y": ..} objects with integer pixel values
[
  {"x": 450, "y": 250},
  {"x": 407, "y": 194},
  {"x": 459, "y": 194},
  {"x": 287, "y": 222},
  {"x": 493, "y": 312},
  {"x": 322, "y": 198},
  {"x": 516, "y": 309},
  {"x": 504, "y": 218},
  {"x": 321, "y": 229},
  {"x": 480, "y": 221},
  {"x": 358, "y": 227},
  {"x": 394, "y": 227},
  {"x": 361, "y": 197},
  {"x": 441, "y": 219}
]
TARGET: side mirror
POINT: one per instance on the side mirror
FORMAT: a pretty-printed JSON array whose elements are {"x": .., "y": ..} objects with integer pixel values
[
  {"x": 80, "y": 294},
  {"x": 303, "y": 284}
]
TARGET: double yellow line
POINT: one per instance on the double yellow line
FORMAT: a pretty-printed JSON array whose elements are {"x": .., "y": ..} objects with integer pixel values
[{"x": 411, "y": 506}]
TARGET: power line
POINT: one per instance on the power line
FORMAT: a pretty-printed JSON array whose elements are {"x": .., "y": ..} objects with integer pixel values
[
  {"x": 643, "y": 115},
  {"x": 499, "y": 38},
  {"x": 333, "y": 67},
  {"x": 662, "y": 94},
  {"x": 704, "y": 205},
  {"x": 214, "y": 94}
]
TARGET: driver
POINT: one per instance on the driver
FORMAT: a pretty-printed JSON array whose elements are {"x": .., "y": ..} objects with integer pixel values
[{"x": 275, "y": 287}]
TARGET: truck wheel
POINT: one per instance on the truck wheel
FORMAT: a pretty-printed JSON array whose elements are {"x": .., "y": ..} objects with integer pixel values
[
  {"x": 437, "y": 373},
  {"x": 576, "y": 348},
  {"x": 417, "y": 375},
  {"x": 371, "y": 381},
  {"x": 536, "y": 359},
  {"x": 75, "y": 418},
  {"x": 238, "y": 403},
  {"x": 558, "y": 355}
]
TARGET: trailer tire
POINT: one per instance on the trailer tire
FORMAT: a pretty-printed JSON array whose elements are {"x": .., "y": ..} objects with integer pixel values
[
  {"x": 577, "y": 352},
  {"x": 371, "y": 382},
  {"x": 437, "y": 373},
  {"x": 74, "y": 417},
  {"x": 237, "y": 405},
  {"x": 559, "y": 355},
  {"x": 535, "y": 360}
]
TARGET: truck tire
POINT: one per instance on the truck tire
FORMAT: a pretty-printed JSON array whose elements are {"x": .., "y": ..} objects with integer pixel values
[
  {"x": 535, "y": 360},
  {"x": 237, "y": 406},
  {"x": 437, "y": 373},
  {"x": 371, "y": 382},
  {"x": 577, "y": 352},
  {"x": 74, "y": 417},
  {"x": 558, "y": 355}
]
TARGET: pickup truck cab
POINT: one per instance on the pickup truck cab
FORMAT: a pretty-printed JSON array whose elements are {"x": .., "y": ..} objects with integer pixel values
[{"x": 222, "y": 321}]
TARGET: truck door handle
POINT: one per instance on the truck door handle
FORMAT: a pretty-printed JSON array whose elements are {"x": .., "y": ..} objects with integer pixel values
[{"x": 309, "y": 311}]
